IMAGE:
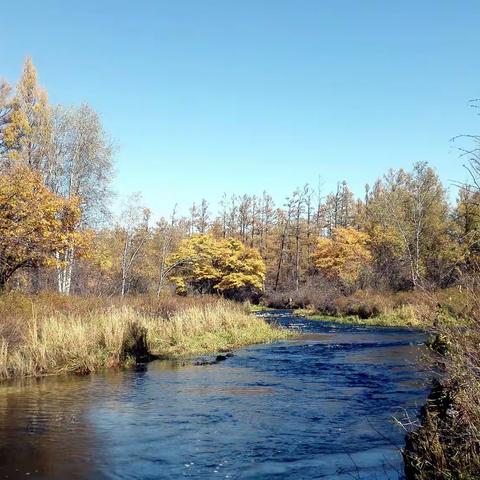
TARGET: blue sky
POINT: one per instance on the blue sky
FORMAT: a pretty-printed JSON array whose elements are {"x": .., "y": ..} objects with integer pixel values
[{"x": 208, "y": 96}]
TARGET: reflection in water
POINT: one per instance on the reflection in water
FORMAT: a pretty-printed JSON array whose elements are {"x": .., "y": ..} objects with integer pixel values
[
  {"x": 41, "y": 425},
  {"x": 317, "y": 407}
]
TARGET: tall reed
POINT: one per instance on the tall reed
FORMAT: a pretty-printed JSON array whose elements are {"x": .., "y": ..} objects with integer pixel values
[{"x": 84, "y": 342}]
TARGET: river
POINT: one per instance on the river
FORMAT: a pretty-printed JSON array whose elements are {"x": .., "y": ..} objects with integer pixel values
[{"x": 317, "y": 407}]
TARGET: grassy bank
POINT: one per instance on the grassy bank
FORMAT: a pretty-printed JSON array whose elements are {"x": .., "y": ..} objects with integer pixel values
[
  {"x": 54, "y": 335},
  {"x": 257, "y": 308},
  {"x": 446, "y": 443},
  {"x": 416, "y": 309},
  {"x": 402, "y": 318}
]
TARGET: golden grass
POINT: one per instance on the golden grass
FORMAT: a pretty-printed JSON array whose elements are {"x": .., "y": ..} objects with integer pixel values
[
  {"x": 85, "y": 342},
  {"x": 216, "y": 327}
]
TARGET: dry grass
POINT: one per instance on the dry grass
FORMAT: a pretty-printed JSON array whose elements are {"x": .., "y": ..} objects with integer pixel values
[
  {"x": 446, "y": 444},
  {"x": 62, "y": 344},
  {"x": 217, "y": 327},
  {"x": 417, "y": 309},
  {"x": 401, "y": 317},
  {"x": 17, "y": 306},
  {"x": 84, "y": 335}
]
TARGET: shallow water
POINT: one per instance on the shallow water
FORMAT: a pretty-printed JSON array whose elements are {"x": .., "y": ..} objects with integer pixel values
[{"x": 317, "y": 407}]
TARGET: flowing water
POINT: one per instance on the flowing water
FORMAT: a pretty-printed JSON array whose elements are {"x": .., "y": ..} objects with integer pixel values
[{"x": 316, "y": 407}]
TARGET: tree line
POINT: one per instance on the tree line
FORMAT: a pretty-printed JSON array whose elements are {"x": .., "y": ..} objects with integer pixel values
[{"x": 56, "y": 230}]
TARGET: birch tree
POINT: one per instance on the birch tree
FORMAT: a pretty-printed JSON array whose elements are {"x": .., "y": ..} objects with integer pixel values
[
  {"x": 81, "y": 167},
  {"x": 4, "y": 113},
  {"x": 413, "y": 205}
]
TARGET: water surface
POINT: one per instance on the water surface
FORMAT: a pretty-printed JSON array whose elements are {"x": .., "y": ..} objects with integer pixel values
[{"x": 317, "y": 407}]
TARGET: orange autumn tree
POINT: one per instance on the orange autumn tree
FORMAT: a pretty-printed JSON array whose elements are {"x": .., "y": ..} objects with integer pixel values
[
  {"x": 343, "y": 256},
  {"x": 35, "y": 224}
]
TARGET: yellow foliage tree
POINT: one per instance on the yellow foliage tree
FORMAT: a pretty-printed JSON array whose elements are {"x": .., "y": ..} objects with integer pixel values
[
  {"x": 35, "y": 224},
  {"x": 206, "y": 264},
  {"x": 27, "y": 133},
  {"x": 343, "y": 256}
]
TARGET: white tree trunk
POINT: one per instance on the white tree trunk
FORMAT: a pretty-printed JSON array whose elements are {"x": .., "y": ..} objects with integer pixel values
[{"x": 64, "y": 272}]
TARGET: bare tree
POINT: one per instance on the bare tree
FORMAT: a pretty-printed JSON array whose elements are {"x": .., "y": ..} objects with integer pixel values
[
  {"x": 193, "y": 218},
  {"x": 267, "y": 218},
  {"x": 244, "y": 216},
  {"x": 166, "y": 231},
  {"x": 285, "y": 228},
  {"x": 203, "y": 217},
  {"x": 134, "y": 228},
  {"x": 232, "y": 216}
]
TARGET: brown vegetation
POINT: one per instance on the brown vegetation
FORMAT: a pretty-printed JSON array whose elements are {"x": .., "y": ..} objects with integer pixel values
[
  {"x": 446, "y": 444},
  {"x": 416, "y": 308},
  {"x": 52, "y": 334}
]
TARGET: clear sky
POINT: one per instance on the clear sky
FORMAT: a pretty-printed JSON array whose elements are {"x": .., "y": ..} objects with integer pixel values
[{"x": 240, "y": 96}]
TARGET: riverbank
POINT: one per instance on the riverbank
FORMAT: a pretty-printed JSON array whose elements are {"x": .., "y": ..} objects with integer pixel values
[
  {"x": 446, "y": 441},
  {"x": 443, "y": 443},
  {"x": 398, "y": 319},
  {"x": 416, "y": 309},
  {"x": 323, "y": 393},
  {"x": 49, "y": 334}
]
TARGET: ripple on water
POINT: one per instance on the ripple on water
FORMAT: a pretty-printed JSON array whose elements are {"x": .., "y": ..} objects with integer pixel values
[{"x": 315, "y": 407}]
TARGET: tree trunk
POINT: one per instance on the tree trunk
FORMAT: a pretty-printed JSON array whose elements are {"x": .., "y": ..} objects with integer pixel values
[
  {"x": 64, "y": 273},
  {"x": 280, "y": 256},
  {"x": 124, "y": 284},
  {"x": 3, "y": 281},
  {"x": 36, "y": 282}
]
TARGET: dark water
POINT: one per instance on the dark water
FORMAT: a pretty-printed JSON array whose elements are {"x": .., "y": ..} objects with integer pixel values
[{"x": 318, "y": 407}]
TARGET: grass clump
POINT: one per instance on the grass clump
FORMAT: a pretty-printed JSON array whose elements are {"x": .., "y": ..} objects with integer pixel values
[
  {"x": 219, "y": 327},
  {"x": 78, "y": 341},
  {"x": 73, "y": 344}
]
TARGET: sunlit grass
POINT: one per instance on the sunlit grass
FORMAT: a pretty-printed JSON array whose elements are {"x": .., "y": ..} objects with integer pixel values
[
  {"x": 446, "y": 444},
  {"x": 83, "y": 343},
  {"x": 209, "y": 328},
  {"x": 404, "y": 316}
]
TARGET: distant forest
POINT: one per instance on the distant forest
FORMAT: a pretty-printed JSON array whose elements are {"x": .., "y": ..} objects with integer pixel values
[{"x": 57, "y": 232}]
